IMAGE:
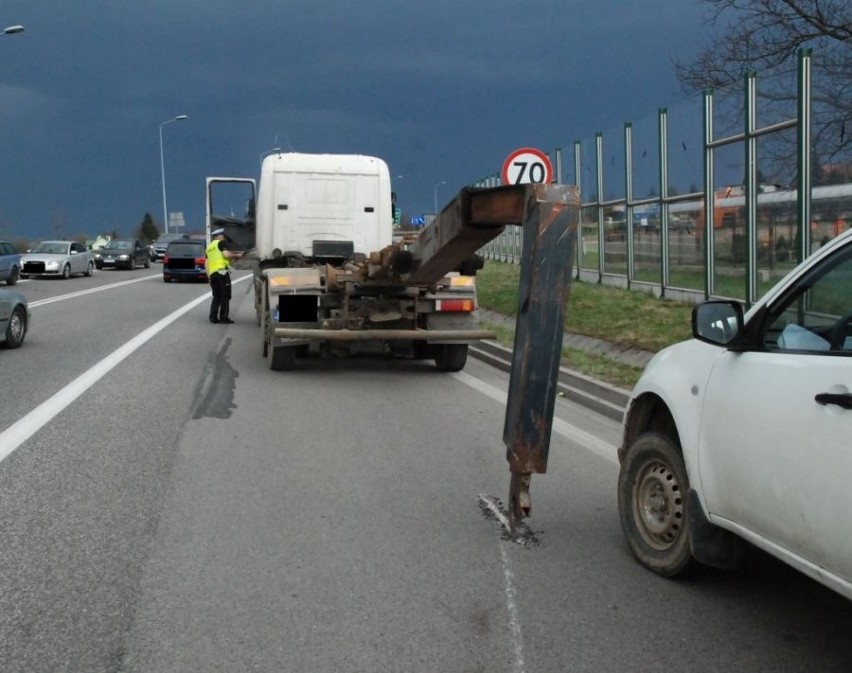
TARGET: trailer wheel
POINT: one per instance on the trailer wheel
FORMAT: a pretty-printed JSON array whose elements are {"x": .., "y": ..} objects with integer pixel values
[
  {"x": 266, "y": 335},
  {"x": 451, "y": 357},
  {"x": 258, "y": 302},
  {"x": 282, "y": 358}
]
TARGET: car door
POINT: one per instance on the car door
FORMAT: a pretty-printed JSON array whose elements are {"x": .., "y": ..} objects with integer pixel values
[
  {"x": 139, "y": 253},
  {"x": 5, "y": 259},
  {"x": 775, "y": 455},
  {"x": 78, "y": 260}
]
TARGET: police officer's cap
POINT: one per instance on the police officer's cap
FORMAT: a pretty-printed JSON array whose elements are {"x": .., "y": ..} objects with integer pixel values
[{"x": 217, "y": 232}]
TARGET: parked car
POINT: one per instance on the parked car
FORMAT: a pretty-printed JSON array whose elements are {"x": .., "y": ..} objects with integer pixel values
[
  {"x": 124, "y": 253},
  {"x": 10, "y": 263},
  {"x": 185, "y": 260},
  {"x": 14, "y": 318},
  {"x": 742, "y": 433},
  {"x": 163, "y": 241},
  {"x": 57, "y": 258}
]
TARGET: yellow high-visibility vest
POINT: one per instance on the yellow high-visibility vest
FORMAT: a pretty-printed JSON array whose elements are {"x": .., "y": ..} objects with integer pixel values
[{"x": 215, "y": 259}]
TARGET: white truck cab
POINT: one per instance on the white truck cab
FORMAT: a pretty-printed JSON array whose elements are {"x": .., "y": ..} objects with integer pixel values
[{"x": 323, "y": 206}]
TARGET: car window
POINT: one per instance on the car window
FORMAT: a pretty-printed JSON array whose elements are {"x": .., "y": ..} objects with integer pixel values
[
  {"x": 816, "y": 316},
  {"x": 52, "y": 248}
]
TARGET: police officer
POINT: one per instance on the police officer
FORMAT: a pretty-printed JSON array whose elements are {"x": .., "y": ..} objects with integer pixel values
[{"x": 218, "y": 270}]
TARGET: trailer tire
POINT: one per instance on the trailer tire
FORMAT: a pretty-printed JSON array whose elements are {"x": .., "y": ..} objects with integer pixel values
[
  {"x": 282, "y": 358},
  {"x": 451, "y": 357},
  {"x": 266, "y": 336}
]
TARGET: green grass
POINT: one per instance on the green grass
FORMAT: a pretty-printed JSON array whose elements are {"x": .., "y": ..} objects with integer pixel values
[
  {"x": 590, "y": 364},
  {"x": 629, "y": 319}
]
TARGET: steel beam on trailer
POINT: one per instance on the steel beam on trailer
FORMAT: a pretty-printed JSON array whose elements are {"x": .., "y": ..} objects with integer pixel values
[
  {"x": 549, "y": 236},
  {"x": 472, "y": 219}
]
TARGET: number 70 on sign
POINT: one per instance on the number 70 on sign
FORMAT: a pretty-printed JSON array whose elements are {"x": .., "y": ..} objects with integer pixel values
[{"x": 527, "y": 165}]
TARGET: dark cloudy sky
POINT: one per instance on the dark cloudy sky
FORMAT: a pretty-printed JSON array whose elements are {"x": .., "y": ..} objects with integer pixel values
[{"x": 443, "y": 90}]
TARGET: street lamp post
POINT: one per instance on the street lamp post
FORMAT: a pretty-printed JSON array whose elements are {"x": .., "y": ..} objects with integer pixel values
[
  {"x": 179, "y": 118},
  {"x": 443, "y": 182}
]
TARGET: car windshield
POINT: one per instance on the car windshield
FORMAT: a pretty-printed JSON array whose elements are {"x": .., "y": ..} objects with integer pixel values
[
  {"x": 120, "y": 245},
  {"x": 52, "y": 248}
]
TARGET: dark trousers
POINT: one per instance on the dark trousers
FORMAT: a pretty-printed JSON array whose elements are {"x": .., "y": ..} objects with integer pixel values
[{"x": 220, "y": 285}]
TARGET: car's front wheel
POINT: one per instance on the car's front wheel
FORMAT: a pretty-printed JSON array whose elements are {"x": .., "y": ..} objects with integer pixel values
[
  {"x": 66, "y": 271},
  {"x": 653, "y": 505},
  {"x": 90, "y": 269},
  {"x": 13, "y": 276},
  {"x": 16, "y": 328}
]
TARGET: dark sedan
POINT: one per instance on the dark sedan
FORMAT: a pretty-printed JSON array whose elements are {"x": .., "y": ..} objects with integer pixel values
[
  {"x": 124, "y": 253},
  {"x": 185, "y": 260}
]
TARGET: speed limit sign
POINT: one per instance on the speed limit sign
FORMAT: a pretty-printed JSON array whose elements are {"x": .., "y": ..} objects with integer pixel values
[{"x": 527, "y": 165}]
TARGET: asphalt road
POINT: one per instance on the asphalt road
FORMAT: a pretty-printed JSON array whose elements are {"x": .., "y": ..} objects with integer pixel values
[{"x": 168, "y": 503}]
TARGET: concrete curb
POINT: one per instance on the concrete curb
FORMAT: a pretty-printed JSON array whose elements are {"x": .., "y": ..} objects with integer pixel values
[{"x": 601, "y": 397}]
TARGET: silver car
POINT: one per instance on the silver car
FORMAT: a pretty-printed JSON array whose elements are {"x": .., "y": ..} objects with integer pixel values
[
  {"x": 14, "y": 318},
  {"x": 57, "y": 258}
]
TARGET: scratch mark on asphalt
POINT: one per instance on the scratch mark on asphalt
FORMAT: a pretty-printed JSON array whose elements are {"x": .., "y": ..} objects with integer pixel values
[{"x": 215, "y": 391}]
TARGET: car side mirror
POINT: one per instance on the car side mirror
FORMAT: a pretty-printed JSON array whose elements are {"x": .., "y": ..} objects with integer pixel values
[{"x": 717, "y": 322}]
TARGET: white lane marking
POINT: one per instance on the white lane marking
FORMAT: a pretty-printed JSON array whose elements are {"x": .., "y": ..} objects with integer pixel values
[
  {"x": 516, "y": 636},
  {"x": 488, "y": 501},
  {"x": 585, "y": 439},
  {"x": 24, "y": 428},
  {"x": 581, "y": 437},
  {"x": 81, "y": 293}
]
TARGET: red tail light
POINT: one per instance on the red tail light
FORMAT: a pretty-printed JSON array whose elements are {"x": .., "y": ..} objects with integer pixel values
[
  {"x": 165, "y": 259},
  {"x": 445, "y": 305},
  {"x": 200, "y": 261}
]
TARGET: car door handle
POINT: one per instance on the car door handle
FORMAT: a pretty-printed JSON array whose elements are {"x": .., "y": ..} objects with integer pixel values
[{"x": 841, "y": 400}]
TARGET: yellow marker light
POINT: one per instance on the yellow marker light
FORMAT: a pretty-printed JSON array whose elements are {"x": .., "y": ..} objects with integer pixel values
[{"x": 461, "y": 281}]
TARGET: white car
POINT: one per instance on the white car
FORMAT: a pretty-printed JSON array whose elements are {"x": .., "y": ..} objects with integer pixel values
[
  {"x": 14, "y": 319},
  {"x": 745, "y": 432},
  {"x": 58, "y": 258}
]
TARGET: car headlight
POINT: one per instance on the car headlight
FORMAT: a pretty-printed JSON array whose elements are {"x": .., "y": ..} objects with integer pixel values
[
  {"x": 124, "y": 256},
  {"x": 53, "y": 264}
]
